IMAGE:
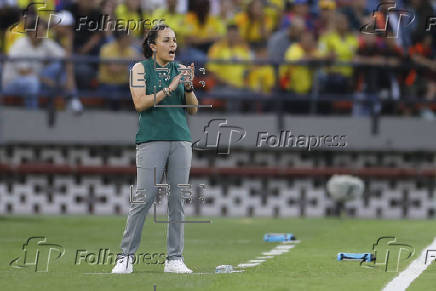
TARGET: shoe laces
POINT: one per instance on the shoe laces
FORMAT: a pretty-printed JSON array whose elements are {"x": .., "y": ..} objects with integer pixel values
[
  {"x": 124, "y": 259},
  {"x": 179, "y": 263}
]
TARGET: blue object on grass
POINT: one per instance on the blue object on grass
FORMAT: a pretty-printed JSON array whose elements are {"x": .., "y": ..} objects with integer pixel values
[
  {"x": 367, "y": 257},
  {"x": 278, "y": 237}
]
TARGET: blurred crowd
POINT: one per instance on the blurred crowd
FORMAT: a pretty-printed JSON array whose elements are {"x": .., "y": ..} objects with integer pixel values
[{"x": 391, "y": 45}]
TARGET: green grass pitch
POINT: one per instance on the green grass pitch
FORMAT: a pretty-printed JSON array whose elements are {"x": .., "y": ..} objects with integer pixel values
[{"x": 311, "y": 265}]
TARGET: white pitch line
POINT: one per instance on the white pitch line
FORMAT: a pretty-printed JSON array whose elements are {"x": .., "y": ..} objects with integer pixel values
[
  {"x": 275, "y": 252},
  {"x": 278, "y": 250},
  {"x": 234, "y": 271},
  {"x": 248, "y": 265},
  {"x": 284, "y": 247},
  {"x": 257, "y": 261},
  {"x": 406, "y": 277}
]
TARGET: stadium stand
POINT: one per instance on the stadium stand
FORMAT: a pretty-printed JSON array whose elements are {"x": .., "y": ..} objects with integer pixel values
[
  {"x": 81, "y": 180},
  {"x": 66, "y": 166}
]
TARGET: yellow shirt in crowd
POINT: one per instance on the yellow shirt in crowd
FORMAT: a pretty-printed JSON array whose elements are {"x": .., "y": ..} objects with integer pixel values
[
  {"x": 43, "y": 7},
  {"x": 11, "y": 35},
  {"x": 231, "y": 73},
  {"x": 251, "y": 31},
  {"x": 213, "y": 27},
  {"x": 273, "y": 11},
  {"x": 111, "y": 51},
  {"x": 136, "y": 25},
  {"x": 344, "y": 48},
  {"x": 300, "y": 76},
  {"x": 262, "y": 79}
]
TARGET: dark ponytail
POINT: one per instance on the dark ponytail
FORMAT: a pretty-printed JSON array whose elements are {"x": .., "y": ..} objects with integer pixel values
[{"x": 150, "y": 38}]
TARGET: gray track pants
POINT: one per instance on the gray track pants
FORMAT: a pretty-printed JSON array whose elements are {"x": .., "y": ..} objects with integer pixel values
[{"x": 176, "y": 155}]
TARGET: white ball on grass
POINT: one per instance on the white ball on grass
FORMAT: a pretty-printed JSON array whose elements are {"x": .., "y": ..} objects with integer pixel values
[{"x": 345, "y": 187}]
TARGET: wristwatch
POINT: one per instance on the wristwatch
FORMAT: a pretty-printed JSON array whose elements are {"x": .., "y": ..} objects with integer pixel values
[
  {"x": 166, "y": 91},
  {"x": 190, "y": 89}
]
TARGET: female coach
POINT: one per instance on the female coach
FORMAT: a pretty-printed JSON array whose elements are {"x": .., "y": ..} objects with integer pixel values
[{"x": 163, "y": 140}]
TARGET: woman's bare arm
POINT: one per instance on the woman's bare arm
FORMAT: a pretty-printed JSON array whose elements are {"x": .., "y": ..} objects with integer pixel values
[
  {"x": 137, "y": 86},
  {"x": 191, "y": 99}
]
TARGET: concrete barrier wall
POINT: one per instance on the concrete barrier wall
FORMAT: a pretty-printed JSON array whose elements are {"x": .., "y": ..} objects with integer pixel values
[{"x": 94, "y": 127}]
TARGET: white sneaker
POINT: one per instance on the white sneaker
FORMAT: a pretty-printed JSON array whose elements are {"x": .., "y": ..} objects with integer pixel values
[
  {"x": 124, "y": 265},
  {"x": 176, "y": 266}
]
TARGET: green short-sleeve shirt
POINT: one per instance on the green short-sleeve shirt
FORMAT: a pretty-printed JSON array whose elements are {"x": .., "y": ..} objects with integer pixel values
[{"x": 163, "y": 123}]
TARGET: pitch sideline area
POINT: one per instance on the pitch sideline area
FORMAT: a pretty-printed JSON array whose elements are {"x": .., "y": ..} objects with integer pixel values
[{"x": 310, "y": 265}]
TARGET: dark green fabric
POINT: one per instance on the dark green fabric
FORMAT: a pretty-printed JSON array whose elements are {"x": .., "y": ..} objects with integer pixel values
[{"x": 163, "y": 123}]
